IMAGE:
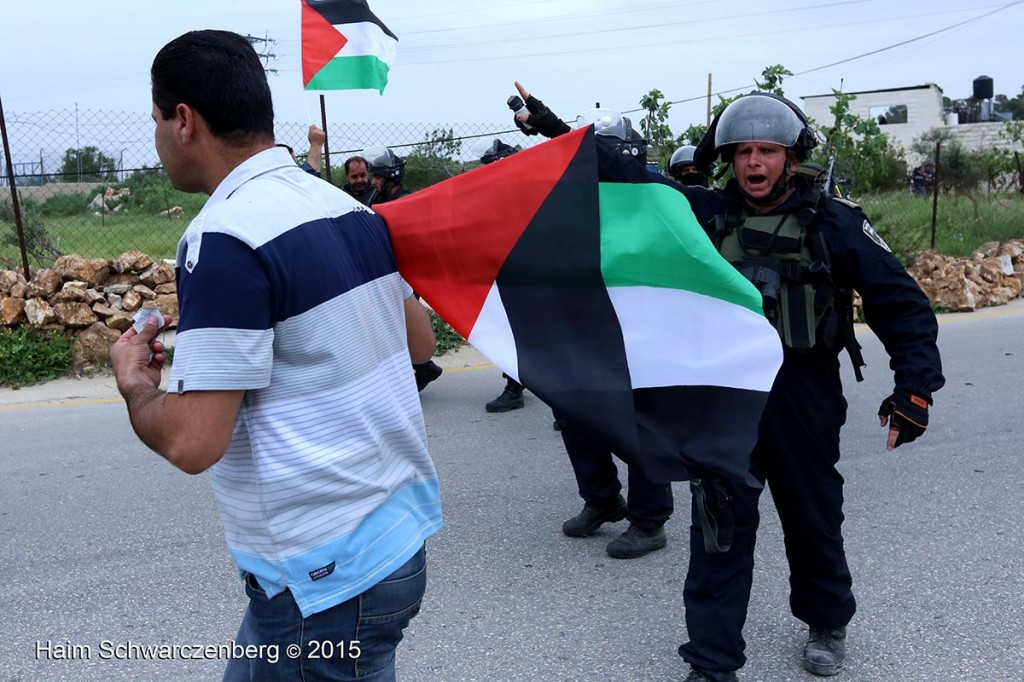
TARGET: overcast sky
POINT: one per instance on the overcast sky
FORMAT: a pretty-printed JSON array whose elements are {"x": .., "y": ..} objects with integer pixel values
[{"x": 457, "y": 60}]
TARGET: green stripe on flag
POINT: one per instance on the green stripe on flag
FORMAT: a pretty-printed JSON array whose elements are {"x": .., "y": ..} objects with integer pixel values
[
  {"x": 650, "y": 237},
  {"x": 351, "y": 73}
]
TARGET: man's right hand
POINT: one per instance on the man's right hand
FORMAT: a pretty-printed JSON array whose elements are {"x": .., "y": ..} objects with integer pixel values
[
  {"x": 316, "y": 135},
  {"x": 540, "y": 119}
]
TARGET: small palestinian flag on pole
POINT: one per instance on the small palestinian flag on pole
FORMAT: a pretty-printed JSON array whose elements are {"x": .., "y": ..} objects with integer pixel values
[
  {"x": 345, "y": 46},
  {"x": 607, "y": 300}
]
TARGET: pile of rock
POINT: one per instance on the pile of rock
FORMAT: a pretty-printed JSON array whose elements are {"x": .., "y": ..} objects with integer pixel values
[
  {"x": 95, "y": 298},
  {"x": 992, "y": 275}
]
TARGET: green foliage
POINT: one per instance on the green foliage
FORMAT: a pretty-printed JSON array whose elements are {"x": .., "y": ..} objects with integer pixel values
[
  {"x": 152, "y": 193},
  {"x": 862, "y": 151},
  {"x": 433, "y": 160},
  {"x": 447, "y": 338},
  {"x": 88, "y": 164},
  {"x": 655, "y": 128},
  {"x": 65, "y": 205},
  {"x": 40, "y": 245},
  {"x": 771, "y": 79},
  {"x": 960, "y": 169},
  {"x": 28, "y": 356}
]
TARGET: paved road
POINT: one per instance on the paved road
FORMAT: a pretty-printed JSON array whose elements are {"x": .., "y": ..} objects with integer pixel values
[{"x": 103, "y": 545}]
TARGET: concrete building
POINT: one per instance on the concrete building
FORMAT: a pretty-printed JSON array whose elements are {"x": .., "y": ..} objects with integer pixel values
[{"x": 904, "y": 114}]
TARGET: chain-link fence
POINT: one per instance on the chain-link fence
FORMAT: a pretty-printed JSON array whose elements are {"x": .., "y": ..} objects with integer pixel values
[{"x": 90, "y": 183}]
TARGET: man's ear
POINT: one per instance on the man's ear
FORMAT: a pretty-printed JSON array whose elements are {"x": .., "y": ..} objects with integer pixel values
[{"x": 186, "y": 122}]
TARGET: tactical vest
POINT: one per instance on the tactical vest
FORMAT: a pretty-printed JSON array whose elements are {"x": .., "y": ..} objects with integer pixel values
[{"x": 785, "y": 258}]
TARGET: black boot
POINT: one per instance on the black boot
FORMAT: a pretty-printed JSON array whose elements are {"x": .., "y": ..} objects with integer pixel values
[
  {"x": 825, "y": 651},
  {"x": 510, "y": 399},
  {"x": 636, "y": 542},
  {"x": 698, "y": 675},
  {"x": 592, "y": 518},
  {"x": 714, "y": 507},
  {"x": 425, "y": 373}
]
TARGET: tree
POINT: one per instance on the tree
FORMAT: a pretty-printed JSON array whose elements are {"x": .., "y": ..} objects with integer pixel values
[
  {"x": 772, "y": 78},
  {"x": 433, "y": 160},
  {"x": 862, "y": 152},
  {"x": 960, "y": 171},
  {"x": 655, "y": 127},
  {"x": 88, "y": 164}
]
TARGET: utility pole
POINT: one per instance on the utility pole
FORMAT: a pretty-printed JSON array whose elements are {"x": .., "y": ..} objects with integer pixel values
[{"x": 264, "y": 49}]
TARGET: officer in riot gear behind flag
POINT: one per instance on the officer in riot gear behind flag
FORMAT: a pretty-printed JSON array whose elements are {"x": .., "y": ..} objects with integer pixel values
[
  {"x": 387, "y": 171},
  {"x": 683, "y": 169},
  {"x": 511, "y": 397},
  {"x": 807, "y": 252}
]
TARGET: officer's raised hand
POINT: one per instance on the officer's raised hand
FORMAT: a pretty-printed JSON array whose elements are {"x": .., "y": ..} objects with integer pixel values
[
  {"x": 906, "y": 415},
  {"x": 540, "y": 119}
]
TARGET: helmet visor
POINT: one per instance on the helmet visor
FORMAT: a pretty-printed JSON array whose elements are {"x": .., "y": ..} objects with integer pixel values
[
  {"x": 605, "y": 122},
  {"x": 757, "y": 118}
]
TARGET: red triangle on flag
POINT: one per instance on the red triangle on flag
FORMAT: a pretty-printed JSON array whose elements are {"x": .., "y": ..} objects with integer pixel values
[
  {"x": 451, "y": 239},
  {"x": 320, "y": 42}
]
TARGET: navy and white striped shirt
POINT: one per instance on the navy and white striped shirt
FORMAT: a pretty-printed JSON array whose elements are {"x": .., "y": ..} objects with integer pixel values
[{"x": 288, "y": 290}]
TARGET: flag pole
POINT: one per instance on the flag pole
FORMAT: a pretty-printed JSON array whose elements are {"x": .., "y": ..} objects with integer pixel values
[{"x": 327, "y": 138}]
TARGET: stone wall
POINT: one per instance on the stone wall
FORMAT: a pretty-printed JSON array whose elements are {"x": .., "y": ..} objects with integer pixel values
[
  {"x": 94, "y": 298},
  {"x": 992, "y": 275}
]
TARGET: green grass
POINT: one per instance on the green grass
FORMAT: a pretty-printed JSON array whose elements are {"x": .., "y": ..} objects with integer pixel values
[
  {"x": 962, "y": 224},
  {"x": 29, "y": 356}
]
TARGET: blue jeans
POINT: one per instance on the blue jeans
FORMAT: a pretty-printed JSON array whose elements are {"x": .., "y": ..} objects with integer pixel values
[{"x": 355, "y": 640}]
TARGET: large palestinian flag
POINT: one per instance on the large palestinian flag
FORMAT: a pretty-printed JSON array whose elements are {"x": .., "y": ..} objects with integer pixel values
[
  {"x": 606, "y": 300},
  {"x": 345, "y": 46}
]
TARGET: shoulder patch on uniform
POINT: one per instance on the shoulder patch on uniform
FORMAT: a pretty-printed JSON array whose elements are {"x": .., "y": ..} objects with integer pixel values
[
  {"x": 875, "y": 237},
  {"x": 846, "y": 202}
]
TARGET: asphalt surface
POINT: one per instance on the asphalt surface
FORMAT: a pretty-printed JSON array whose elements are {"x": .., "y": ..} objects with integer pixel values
[{"x": 105, "y": 549}]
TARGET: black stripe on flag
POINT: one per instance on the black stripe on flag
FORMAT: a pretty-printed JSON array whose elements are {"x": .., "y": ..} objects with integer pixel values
[{"x": 348, "y": 12}]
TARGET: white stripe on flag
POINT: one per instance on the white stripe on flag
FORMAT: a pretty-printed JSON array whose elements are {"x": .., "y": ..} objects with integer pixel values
[
  {"x": 492, "y": 335},
  {"x": 366, "y": 39},
  {"x": 676, "y": 337}
]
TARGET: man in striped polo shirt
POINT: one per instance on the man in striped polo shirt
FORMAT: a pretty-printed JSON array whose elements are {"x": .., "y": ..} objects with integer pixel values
[{"x": 291, "y": 379}]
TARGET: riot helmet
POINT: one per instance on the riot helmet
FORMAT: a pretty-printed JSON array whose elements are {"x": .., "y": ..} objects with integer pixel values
[
  {"x": 763, "y": 117},
  {"x": 611, "y": 124},
  {"x": 384, "y": 163},
  {"x": 681, "y": 157},
  {"x": 498, "y": 150},
  {"x": 683, "y": 168}
]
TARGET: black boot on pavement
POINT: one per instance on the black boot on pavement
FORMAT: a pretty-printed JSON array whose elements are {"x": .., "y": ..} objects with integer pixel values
[
  {"x": 425, "y": 373},
  {"x": 636, "y": 542},
  {"x": 510, "y": 399},
  {"x": 698, "y": 675},
  {"x": 592, "y": 518},
  {"x": 825, "y": 651}
]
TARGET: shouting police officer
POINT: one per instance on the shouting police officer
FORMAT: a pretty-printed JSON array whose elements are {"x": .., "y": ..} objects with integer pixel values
[{"x": 806, "y": 252}]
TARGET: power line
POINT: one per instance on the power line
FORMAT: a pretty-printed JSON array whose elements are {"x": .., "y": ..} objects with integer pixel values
[{"x": 860, "y": 56}]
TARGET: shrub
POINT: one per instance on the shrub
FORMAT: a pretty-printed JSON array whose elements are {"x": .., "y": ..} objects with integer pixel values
[
  {"x": 65, "y": 205},
  {"x": 447, "y": 338},
  {"x": 29, "y": 356}
]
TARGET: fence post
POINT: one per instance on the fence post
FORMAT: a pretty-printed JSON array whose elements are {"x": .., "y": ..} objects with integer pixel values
[
  {"x": 15, "y": 205},
  {"x": 935, "y": 189}
]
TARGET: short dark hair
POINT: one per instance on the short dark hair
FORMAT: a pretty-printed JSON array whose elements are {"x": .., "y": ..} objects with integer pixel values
[
  {"x": 355, "y": 159},
  {"x": 220, "y": 76}
]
